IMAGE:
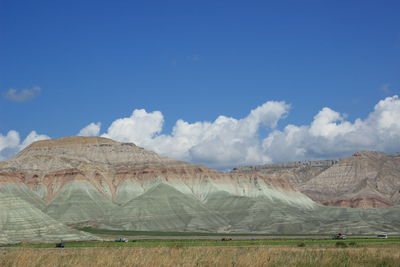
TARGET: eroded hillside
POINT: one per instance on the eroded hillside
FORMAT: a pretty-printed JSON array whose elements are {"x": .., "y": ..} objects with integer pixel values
[{"x": 102, "y": 183}]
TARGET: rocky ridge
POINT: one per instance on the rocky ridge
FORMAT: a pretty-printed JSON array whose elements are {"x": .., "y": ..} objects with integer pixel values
[
  {"x": 296, "y": 173},
  {"x": 367, "y": 179}
]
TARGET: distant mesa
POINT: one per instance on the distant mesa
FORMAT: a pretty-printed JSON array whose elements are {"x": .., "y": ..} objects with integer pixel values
[
  {"x": 71, "y": 141},
  {"x": 367, "y": 179}
]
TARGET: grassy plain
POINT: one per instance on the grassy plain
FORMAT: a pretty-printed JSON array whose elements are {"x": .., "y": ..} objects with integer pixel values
[
  {"x": 217, "y": 243},
  {"x": 384, "y": 255},
  {"x": 206, "y": 250}
]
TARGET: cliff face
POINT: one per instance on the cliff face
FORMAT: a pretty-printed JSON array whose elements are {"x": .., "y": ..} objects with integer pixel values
[
  {"x": 367, "y": 179},
  {"x": 296, "y": 173}
]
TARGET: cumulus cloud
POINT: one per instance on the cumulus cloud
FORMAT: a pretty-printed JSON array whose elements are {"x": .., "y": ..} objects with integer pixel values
[
  {"x": 330, "y": 136},
  {"x": 10, "y": 144},
  {"x": 227, "y": 142},
  {"x": 139, "y": 128},
  {"x": 93, "y": 129},
  {"x": 22, "y": 95},
  {"x": 219, "y": 144}
]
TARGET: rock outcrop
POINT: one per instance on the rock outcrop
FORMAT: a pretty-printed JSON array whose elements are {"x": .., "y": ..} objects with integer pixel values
[
  {"x": 296, "y": 173},
  {"x": 367, "y": 179}
]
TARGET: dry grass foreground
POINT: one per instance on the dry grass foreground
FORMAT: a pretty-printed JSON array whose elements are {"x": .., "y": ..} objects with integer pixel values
[{"x": 201, "y": 256}]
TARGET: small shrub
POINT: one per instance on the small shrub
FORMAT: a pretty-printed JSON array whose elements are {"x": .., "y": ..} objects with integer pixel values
[
  {"x": 341, "y": 245},
  {"x": 302, "y": 244},
  {"x": 353, "y": 244}
]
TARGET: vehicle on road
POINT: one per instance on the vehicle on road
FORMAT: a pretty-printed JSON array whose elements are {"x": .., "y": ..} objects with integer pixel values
[
  {"x": 121, "y": 239},
  {"x": 60, "y": 245},
  {"x": 339, "y": 236}
]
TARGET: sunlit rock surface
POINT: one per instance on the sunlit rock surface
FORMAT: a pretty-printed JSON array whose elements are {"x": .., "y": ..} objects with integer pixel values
[{"x": 367, "y": 179}]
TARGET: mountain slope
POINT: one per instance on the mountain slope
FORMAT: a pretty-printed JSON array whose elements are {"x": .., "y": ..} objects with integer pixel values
[
  {"x": 164, "y": 207},
  {"x": 102, "y": 183},
  {"x": 89, "y": 179},
  {"x": 21, "y": 221},
  {"x": 367, "y": 179}
]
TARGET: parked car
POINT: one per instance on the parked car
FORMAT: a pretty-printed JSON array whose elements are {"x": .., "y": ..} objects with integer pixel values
[
  {"x": 382, "y": 236},
  {"x": 339, "y": 236},
  {"x": 60, "y": 245},
  {"x": 121, "y": 239}
]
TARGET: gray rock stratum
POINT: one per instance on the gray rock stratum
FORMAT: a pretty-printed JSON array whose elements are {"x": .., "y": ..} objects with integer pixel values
[
  {"x": 102, "y": 183},
  {"x": 22, "y": 221},
  {"x": 367, "y": 179}
]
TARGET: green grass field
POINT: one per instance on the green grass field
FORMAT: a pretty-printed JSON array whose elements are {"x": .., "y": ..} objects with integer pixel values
[
  {"x": 274, "y": 251},
  {"x": 191, "y": 243}
]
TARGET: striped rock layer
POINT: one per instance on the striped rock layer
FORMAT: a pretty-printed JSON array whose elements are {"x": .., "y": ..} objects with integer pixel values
[
  {"x": 102, "y": 183},
  {"x": 367, "y": 179}
]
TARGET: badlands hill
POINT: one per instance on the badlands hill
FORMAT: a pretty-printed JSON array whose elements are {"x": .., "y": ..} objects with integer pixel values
[
  {"x": 367, "y": 179},
  {"x": 96, "y": 181},
  {"x": 22, "y": 217}
]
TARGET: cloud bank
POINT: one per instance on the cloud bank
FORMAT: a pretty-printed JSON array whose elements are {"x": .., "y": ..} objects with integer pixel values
[
  {"x": 92, "y": 129},
  {"x": 11, "y": 143},
  {"x": 22, "y": 95},
  {"x": 219, "y": 144},
  {"x": 329, "y": 135},
  {"x": 227, "y": 142}
]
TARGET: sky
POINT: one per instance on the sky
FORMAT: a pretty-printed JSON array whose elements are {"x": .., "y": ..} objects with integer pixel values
[{"x": 219, "y": 83}]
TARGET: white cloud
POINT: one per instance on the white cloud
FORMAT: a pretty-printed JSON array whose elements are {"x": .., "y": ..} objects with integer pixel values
[
  {"x": 139, "y": 128},
  {"x": 32, "y": 137},
  {"x": 93, "y": 129},
  {"x": 330, "y": 136},
  {"x": 220, "y": 144},
  {"x": 227, "y": 142},
  {"x": 9, "y": 140},
  {"x": 22, "y": 95},
  {"x": 11, "y": 144},
  {"x": 329, "y": 124}
]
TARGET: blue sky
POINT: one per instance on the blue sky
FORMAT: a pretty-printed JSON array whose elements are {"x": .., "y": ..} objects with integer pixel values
[{"x": 97, "y": 61}]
